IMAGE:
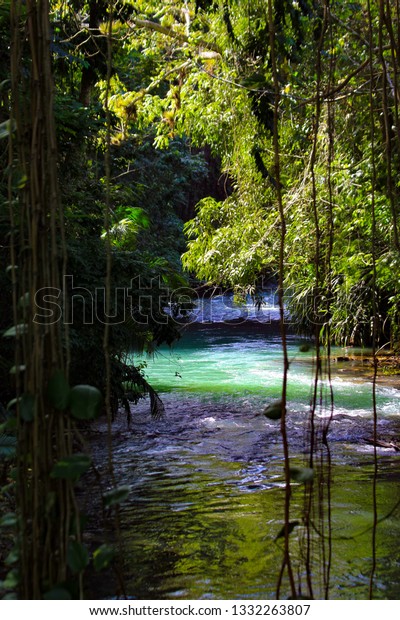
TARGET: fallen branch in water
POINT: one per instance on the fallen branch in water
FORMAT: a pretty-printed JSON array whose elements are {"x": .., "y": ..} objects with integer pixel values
[{"x": 382, "y": 444}]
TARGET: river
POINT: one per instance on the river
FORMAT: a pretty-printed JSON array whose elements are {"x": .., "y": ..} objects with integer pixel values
[{"x": 207, "y": 482}]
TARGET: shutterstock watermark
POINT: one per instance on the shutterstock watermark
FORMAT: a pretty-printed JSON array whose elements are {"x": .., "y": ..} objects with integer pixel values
[
  {"x": 153, "y": 302},
  {"x": 145, "y": 302}
]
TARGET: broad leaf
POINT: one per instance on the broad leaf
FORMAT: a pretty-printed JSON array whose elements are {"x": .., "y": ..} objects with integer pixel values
[
  {"x": 71, "y": 467},
  {"x": 274, "y": 411},
  {"x": 85, "y": 402}
]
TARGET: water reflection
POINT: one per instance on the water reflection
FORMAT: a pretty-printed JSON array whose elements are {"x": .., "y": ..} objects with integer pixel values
[
  {"x": 212, "y": 540},
  {"x": 207, "y": 481},
  {"x": 206, "y": 529}
]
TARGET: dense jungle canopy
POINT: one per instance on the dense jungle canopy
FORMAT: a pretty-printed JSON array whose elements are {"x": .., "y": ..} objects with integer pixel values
[{"x": 149, "y": 148}]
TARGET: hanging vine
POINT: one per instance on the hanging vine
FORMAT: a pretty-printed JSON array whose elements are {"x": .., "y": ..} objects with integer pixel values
[
  {"x": 287, "y": 561},
  {"x": 375, "y": 312},
  {"x": 47, "y": 510},
  {"x": 108, "y": 287},
  {"x": 50, "y": 552}
]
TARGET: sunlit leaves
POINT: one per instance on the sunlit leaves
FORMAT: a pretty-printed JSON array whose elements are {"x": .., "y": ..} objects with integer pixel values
[
  {"x": 124, "y": 233},
  {"x": 224, "y": 241}
]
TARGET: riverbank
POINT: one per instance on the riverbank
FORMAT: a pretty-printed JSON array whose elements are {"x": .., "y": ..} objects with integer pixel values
[{"x": 361, "y": 364}]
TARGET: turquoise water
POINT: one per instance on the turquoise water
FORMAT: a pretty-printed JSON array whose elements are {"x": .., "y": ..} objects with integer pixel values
[
  {"x": 207, "y": 480},
  {"x": 230, "y": 359}
]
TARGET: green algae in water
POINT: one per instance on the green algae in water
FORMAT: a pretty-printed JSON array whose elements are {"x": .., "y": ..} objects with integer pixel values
[{"x": 208, "y": 485}]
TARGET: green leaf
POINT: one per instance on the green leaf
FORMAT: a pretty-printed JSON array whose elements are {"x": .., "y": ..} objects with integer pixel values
[
  {"x": 58, "y": 391},
  {"x": 71, "y": 467},
  {"x": 274, "y": 411},
  {"x": 102, "y": 557},
  {"x": 8, "y": 520},
  {"x": 85, "y": 402},
  {"x": 116, "y": 496},
  {"x": 27, "y": 407},
  {"x": 57, "y": 594},
  {"x": 16, "y": 330},
  {"x": 139, "y": 216},
  {"x": 292, "y": 525},
  {"x": 77, "y": 556},
  {"x": 301, "y": 474}
]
